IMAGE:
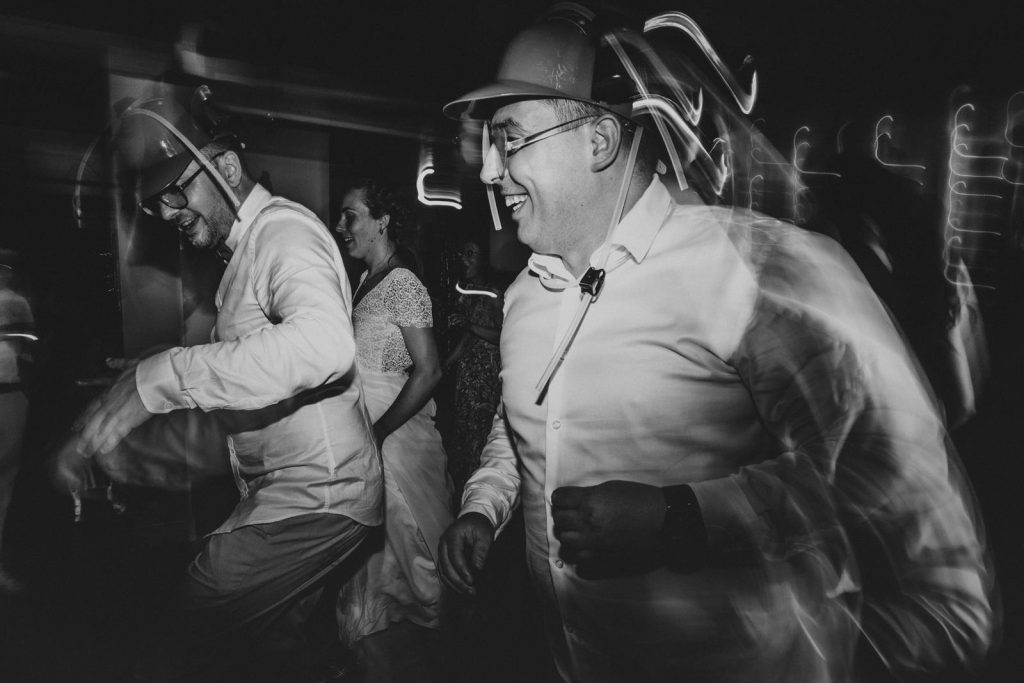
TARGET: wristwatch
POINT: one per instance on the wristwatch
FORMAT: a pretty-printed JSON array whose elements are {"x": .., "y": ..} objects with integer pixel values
[{"x": 683, "y": 532}]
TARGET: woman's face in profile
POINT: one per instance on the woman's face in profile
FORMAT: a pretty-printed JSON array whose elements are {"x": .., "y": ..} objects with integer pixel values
[{"x": 357, "y": 228}]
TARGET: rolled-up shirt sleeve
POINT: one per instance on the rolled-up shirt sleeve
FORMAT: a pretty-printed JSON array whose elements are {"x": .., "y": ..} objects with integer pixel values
[
  {"x": 303, "y": 341},
  {"x": 493, "y": 489}
]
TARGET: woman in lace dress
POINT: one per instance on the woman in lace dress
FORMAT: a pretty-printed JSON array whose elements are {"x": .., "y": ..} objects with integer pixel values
[{"x": 398, "y": 365}]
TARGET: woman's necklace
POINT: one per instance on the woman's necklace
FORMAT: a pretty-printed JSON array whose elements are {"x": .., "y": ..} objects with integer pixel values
[{"x": 371, "y": 281}]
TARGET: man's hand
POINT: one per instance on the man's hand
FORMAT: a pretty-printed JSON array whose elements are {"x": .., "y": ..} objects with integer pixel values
[
  {"x": 110, "y": 417},
  {"x": 611, "y": 528},
  {"x": 463, "y": 550}
]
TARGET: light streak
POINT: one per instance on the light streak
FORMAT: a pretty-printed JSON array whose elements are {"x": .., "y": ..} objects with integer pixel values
[
  {"x": 684, "y": 23},
  {"x": 803, "y": 144},
  {"x": 694, "y": 115},
  {"x": 964, "y": 243},
  {"x": 963, "y": 184},
  {"x": 474, "y": 292},
  {"x": 4, "y": 336},
  {"x": 692, "y": 111},
  {"x": 960, "y": 151},
  {"x": 656, "y": 104},
  {"x": 757, "y": 180},
  {"x": 1011, "y": 121},
  {"x": 441, "y": 198},
  {"x": 887, "y": 133}
]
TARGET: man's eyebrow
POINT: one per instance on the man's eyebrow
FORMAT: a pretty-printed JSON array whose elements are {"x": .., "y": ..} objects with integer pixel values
[{"x": 507, "y": 122}]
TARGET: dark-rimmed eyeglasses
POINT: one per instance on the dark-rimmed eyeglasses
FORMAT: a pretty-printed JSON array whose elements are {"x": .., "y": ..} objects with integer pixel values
[
  {"x": 174, "y": 196},
  {"x": 497, "y": 137}
]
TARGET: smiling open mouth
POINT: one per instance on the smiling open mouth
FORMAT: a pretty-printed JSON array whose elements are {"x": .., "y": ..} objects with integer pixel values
[
  {"x": 187, "y": 224},
  {"x": 515, "y": 201}
]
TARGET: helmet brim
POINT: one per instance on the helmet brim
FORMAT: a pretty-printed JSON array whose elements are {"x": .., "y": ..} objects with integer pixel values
[
  {"x": 482, "y": 102},
  {"x": 157, "y": 177}
]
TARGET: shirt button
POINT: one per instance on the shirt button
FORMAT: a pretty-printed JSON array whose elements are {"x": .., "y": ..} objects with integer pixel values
[
  {"x": 168, "y": 405},
  {"x": 555, "y": 424},
  {"x": 559, "y": 564}
]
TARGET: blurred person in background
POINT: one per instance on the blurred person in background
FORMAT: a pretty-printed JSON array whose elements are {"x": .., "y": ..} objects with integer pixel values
[
  {"x": 280, "y": 371},
  {"x": 728, "y": 465},
  {"x": 397, "y": 357},
  {"x": 892, "y": 228},
  {"x": 16, "y": 326},
  {"x": 475, "y": 359}
]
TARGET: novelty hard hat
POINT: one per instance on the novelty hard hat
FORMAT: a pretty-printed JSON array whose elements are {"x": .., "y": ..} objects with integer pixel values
[
  {"x": 152, "y": 139},
  {"x": 556, "y": 58}
]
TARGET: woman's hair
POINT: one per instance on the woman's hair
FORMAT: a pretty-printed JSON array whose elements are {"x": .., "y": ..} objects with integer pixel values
[{"x": 382, "y": 199}]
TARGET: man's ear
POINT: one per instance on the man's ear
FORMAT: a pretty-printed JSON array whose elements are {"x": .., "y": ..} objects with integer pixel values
[
  {"x": 385, "y": 220},
  {"x": 230, "y": 167},
  {"x": 606, "y": 141}
]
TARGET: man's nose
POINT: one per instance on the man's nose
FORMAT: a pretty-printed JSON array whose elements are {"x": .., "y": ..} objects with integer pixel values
[{"x": 491, "y": 172}]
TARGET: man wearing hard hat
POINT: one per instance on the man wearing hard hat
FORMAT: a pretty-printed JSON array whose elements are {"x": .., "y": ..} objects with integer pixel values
[
  {"x": 727, "y": 463},
  {"x": 280, "y": 372}
]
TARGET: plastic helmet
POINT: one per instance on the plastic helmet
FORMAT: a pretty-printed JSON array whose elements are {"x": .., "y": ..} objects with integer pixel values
[
  {"x": 159, "y": 138},
  {"x": 562, "y": 56}
]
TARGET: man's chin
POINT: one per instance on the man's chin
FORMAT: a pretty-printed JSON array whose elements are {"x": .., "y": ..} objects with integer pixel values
[{"x": 200, "y": 241}]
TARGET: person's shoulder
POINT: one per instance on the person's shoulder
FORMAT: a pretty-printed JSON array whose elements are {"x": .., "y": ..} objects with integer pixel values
[
  {"x": 523, "y": 283},
  {"x": 757, "y": 234},
  {"x": 404, "y": 280},
  {"x": 404, "y": 275},
  {"x": 284, "y": 224}
]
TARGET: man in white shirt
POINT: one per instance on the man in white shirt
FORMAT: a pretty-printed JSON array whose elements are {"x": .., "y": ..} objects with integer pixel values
[
  {"x": 280, "y": 371},
  {"x": 727, "y": 463}
]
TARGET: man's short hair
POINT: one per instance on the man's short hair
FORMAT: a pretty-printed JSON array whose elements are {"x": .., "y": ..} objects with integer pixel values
[
  {"x": 226, "y": 143},
  {"x": 647, "y": 156}
]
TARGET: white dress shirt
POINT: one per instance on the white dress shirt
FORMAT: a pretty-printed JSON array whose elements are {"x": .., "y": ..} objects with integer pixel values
[
  {"x": 280, "y": 366},
  {"x": 747, "y": 358}
]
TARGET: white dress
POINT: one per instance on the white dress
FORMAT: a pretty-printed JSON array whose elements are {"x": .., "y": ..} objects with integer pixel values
[{"x": 399, "y": 581}]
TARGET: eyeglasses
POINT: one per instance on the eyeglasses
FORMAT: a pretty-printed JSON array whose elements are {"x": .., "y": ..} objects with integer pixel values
[
  {"x": 497, "y": 137},
  {"x": 174, "y": 196}
]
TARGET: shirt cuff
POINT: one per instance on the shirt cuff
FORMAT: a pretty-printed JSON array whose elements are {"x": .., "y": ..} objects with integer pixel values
[
  {"x": 158, "y": 385},
  {"x": 731, "y": 523},
  {"x": 483, "y": 509}
]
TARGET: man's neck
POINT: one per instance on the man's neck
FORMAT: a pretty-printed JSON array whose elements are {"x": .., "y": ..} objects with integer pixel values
[{"x": 604, "y": 220}]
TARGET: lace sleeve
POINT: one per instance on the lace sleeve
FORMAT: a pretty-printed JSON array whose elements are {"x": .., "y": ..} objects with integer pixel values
[{"x": 407, "y": 300}]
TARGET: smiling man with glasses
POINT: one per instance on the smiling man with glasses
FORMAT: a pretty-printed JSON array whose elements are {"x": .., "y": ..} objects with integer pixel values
[
  {"x": 280, "y": 373},
  {"x": 206, "y": 219},
  {"x": 174, "y": 196},
  {"x": 728, "y": 465}
]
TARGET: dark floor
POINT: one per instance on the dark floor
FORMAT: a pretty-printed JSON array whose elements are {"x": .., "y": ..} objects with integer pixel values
[{"x": 91, "y": 589}]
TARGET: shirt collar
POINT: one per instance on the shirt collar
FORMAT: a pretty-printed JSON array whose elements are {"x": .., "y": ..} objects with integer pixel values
[
  {"x": 247, "y": 212},
  {"x": 634, "y": 234}
]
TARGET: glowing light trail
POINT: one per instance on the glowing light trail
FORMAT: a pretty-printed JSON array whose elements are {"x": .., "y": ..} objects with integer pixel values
[
  {"x": 684, "y": 23},
  {"x": 448, "y": 199},
  {"x": 474, "y": 292}
]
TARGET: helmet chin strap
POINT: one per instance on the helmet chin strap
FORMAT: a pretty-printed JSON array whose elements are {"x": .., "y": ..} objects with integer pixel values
[
  {"x": 200, "y": 157},
  {"x": 592, "y": 281}
]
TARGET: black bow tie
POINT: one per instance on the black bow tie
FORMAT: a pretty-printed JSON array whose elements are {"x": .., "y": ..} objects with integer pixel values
[{"x": 224, "y": 251}]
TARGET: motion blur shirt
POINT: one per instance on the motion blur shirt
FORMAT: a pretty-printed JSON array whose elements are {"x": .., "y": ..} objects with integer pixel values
[
  {"x": 280, "y": 366},
  {"x": 747, "y": 358}
]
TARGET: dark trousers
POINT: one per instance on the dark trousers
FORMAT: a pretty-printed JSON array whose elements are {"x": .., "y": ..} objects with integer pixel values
[{"x": 242, "y": 609}]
